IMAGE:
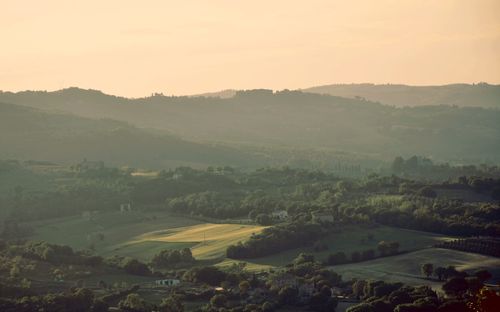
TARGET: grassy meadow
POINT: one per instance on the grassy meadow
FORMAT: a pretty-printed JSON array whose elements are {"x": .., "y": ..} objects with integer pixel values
[
  {"x": 355, "y": 238},
  {"x": 140, "y": 235},
  {"x": 406, "y": 267},
  {"x": 119, "y": 231}
]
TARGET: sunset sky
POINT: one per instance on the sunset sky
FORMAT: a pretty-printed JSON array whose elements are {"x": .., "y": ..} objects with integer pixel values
[{"x": 134, "y": 48}]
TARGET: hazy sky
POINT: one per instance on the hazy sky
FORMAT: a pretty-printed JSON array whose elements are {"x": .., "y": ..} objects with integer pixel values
[{"x": 133, "y": 48}]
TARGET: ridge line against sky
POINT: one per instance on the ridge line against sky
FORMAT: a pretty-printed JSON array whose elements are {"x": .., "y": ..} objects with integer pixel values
[
  {"x": 194, "y": 46},
  {"x": 207, "y": 93}
]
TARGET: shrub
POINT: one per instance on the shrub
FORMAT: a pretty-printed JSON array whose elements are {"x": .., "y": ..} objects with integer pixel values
[
  {"x": 218, "y": 301},
  {"x": 337, "y": 258},
  {"x": 135, "y": 267},
  {"x": 209, "y": 275}
]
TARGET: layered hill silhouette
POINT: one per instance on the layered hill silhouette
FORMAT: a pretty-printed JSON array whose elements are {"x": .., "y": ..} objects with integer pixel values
[
  {"x": 286, "y": 119},
  {"x": 32, "y": 134},
  {"x": 476, "y": 95}
]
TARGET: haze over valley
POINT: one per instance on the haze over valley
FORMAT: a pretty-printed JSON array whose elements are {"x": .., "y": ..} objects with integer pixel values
[
  {"x": 252, "y": 119},
  {"x": 250, "y": 156}
]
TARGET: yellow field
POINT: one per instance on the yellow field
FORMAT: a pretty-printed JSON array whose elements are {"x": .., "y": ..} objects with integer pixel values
[
  {"x": 211, "y": 239},
  {"x": 142, "y": 235}
]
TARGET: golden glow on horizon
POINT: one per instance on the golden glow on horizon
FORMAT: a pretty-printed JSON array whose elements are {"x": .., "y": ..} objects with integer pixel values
[{"x": 134, "y": 48}]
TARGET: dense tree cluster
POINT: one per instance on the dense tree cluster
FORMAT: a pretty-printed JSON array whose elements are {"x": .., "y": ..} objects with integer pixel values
[
  {"x": 304, "y": 283},
  {"x": 84, "y": 189},
  {"x": 385, "y": 249},
  {"x": 275, "y": 239},
  {"x": 209, "y": 204},
  {"x": 242, "y": 195},
  {"x": 464, "y": 294},
  {"x": 207, "y": 275},
  {"x": 172, "y": 257},
  {"x": 129, "y": 265},
  {"x": 228, "y": 193},
  {"x": 422, "y": 167},
  {"x": 452, "y": 217},
  {"x": 485, "y": 246},
  {"x": 482, "y": 184},
  {"x": 77, "y": 300},
  {"x": 53, "y": 253}
]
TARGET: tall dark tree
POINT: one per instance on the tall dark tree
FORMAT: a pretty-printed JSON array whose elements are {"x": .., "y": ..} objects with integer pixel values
[
  {"x": 398, "y": 164},
  {"x": 427, "y": 269},
  {"x": 455, "y": 286}
]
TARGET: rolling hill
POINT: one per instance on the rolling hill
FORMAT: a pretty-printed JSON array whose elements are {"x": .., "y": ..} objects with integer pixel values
[
  {"x": 292, "y": 119},
  {"x": 139, "y": 235},
  {"x": 406, "y": 267},
  {"x": 476, "y": 95},
  {"x": 27, "y": 133}
]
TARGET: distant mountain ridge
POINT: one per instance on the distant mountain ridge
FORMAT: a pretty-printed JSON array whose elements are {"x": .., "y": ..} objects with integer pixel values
[
  {"x": 294, "y": 119},
  {"x": 475, "y": 95}
]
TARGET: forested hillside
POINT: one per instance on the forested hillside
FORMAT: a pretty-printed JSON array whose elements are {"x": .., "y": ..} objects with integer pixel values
[
  {"x": 295, "y": 119},
  {"x": 27, "y": 133}
]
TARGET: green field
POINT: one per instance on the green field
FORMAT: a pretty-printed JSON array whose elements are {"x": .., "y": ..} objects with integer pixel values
[
  {"x": 141, "y": 236},
  {"x": 355, "y": 238},
  {"x": 406, "y": 267},
  {"x": 119, "y": 231}
]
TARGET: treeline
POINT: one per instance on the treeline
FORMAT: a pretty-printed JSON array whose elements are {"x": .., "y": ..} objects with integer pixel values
[
  {"x": 55, "y": 254},
  {"x": 481, "y": 184},
  {"x": 65, "y": 202},
  {"x": 208, "y": 204},
  {"x": 451, "y": 217},
  {"x": 65, "y": 255},
  {"x": 463, "y": 293},
  {"x": 224, "y": 193},
  {"x": 129, "y": 265},
  {"x": 275, "y": 239},
  {"x": 172, "y": 257},
  {"x": 77, "y": 300},
  {"x": 484, "y": 246},
  {"x": 86, "y": 186},
  {"x": 176, "y": 183},
  {"x": 384, "y": 248},
  {"x": 423, "y": 167},
  {"x": 445, "y": 273},
  {"x": 221, "y": 192}
]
